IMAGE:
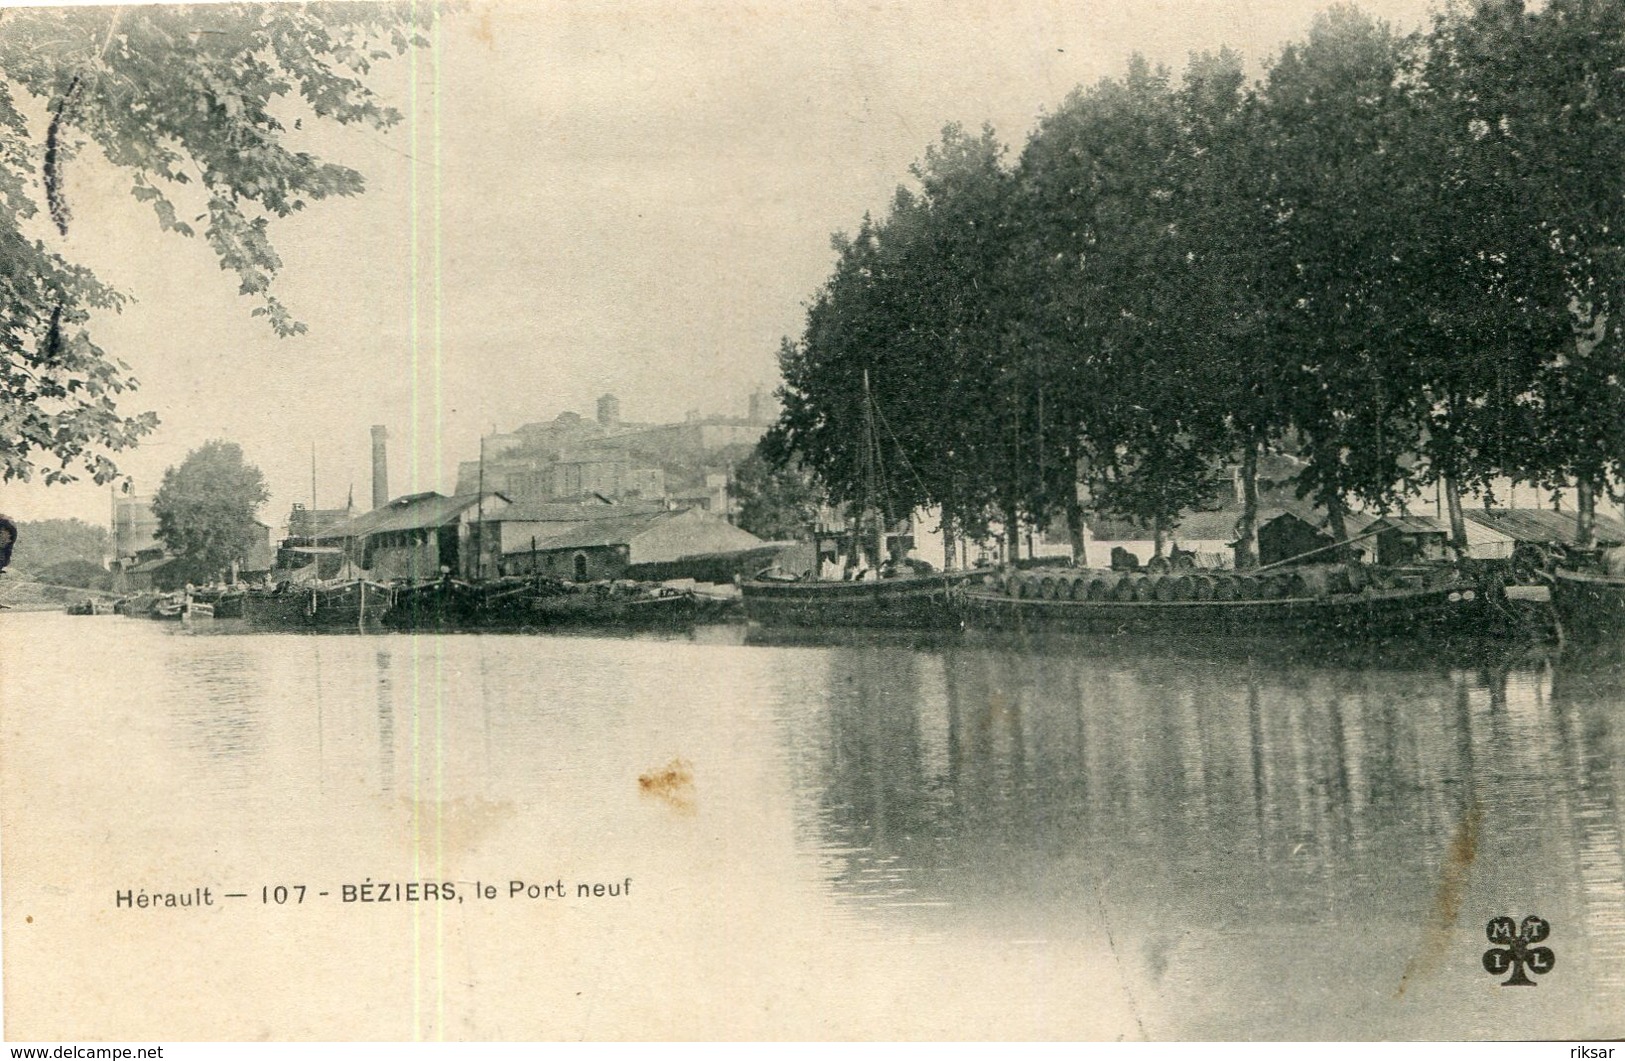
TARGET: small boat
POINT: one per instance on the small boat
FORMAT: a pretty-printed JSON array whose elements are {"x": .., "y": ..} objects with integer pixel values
[
  {"x": 350, "y": 604},
  {"x": 228, "y": 601},
  {"x": 536, "y": 603},
  {"x": 90, "y": 606},
  {"x": 608, "y": 604},
  {"x": 138, "y": 605},
  {"x": 1588, "y": 605},
  {"x": 181, "y": 606},
  {"x": 452, "y": 604},
  {"x": 915, "y": 601},
  {"x": 1353, "y": 603},
  {"x": 440, "y": 604}
]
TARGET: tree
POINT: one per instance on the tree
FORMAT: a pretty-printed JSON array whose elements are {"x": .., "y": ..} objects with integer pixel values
[
  {"x": 1401, "y": 257},
  {"x": 1108, "y": 264},
  {"x": 191, "y": 103},
  {"x": 910, "y": 325},
  {"x": 775, "y": 503},
  {"x": 1218, "y": 320},
  {"x": 43, "y": 543},
  {"x": 944, "y": 284},
  {"x": 1536, "y": 108},
  {"x": 206, "y": 507},
  {"x": 80, "y": 574},
  {"x": 1335, "y": 111}
]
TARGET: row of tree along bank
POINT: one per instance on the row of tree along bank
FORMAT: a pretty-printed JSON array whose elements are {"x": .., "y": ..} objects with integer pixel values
[{"x": 1398, "y": 257}]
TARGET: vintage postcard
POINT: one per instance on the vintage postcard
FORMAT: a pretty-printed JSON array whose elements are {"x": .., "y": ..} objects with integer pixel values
[{"x": 732, "y": 520}]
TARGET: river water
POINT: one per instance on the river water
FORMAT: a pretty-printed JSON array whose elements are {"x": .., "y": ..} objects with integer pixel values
[{"x": 873, "y": 837}]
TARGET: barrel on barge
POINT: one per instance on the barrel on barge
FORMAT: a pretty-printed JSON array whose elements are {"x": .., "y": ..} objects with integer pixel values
[{"x": 1344, "y": 602}]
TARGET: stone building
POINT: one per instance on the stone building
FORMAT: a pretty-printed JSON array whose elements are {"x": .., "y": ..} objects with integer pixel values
[
  {"x": 571, "y": 457},
  {"x": 420, "y": 537},
  {"x": 610, "y": 547}
]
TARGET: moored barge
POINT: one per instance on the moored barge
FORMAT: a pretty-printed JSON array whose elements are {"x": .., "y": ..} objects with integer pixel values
[
  {"x": 916, "y": 601},
  {"x": 514, "y": 604},
  {"x": 1330, "y": 603},
  {"x": 1588, "y": 606},
  {"x": 355, "y": 604}
]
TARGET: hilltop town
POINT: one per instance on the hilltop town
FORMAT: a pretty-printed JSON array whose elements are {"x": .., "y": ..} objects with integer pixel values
[
  {"x": 572, "y": 457},
  {"x": 627, "y": 479}
]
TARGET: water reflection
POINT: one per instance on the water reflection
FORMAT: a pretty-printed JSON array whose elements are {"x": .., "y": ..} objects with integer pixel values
[
  {"x": 216, "y": 696},
  {"x": 1244, "y": 840},
  {"x": 386, "y": 723},
  {"x": 1297, "y": 809},
  {"x": 1588, "y": 689}
]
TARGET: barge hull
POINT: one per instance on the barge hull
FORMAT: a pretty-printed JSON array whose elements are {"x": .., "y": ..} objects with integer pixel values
[
  {"x": 1589, "y": 607},
  {"x": 926, "y": 602},
  {"x": 344, "y": 608},
  {"x": 1446, "y": 611}
]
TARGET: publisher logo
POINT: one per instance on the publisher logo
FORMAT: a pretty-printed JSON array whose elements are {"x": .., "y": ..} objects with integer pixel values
[{"x": 1515, "y": 950}]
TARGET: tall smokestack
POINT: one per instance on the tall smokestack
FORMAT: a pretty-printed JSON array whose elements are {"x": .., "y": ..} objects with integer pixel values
[{"x": 380, "y": 467}]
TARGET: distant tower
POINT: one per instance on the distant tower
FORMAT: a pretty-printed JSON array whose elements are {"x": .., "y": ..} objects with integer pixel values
[
  {"x": 380, "y": 466},
  {"x": 763, "y": 406},
  {"x": 609, "y": 411}
]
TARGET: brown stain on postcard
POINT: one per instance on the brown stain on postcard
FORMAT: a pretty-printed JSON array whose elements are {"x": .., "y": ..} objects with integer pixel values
[
  {"x": 1447, "y": 902},
  {"x": 458, "y": 825},
  {"x": 482, "y": 29},
  {"x": 672, "y": 783}
]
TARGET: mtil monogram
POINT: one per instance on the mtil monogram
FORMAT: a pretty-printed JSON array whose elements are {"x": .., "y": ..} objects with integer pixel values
[{"x": 1516, "y": 952}]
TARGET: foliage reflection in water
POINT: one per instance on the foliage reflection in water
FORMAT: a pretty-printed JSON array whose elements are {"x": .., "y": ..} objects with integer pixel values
[{"x": 1075, "y": 838}]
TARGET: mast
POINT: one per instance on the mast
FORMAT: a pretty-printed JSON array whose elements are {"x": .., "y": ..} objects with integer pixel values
[
  {"x": 872, "y": 466},
  {"x": 479, "y": 516}
]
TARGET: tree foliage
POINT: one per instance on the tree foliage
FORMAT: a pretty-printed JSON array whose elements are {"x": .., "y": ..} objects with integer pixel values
[
  {"x": 44, "y": 542},
  {"x": 206, "y": 507},
  {"x": 774, "y": 503},
  {"x": 1397, "y": 256},
  {"x": 194, "y": 104}
]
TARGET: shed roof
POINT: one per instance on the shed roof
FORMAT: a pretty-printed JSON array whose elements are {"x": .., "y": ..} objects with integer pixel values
[
  {"x": 1215, "y": 525},
  {"x": 573, "y": 511},
  {"x": 681, "y": 532},
  {"x": 1542, "y": 525},
  {"x": 601, "y": 533},
  {"x": 1315, "y": 518},
  {"x": 1477, "y": 533},
  {"x": 1206, "y": 526},
  {"x": 1409, "y": 525},
  {"x": 412, "y": 512}
]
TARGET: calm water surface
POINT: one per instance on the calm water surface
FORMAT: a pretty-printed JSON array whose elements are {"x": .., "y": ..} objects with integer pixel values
[{"x": 957, "y": 837}]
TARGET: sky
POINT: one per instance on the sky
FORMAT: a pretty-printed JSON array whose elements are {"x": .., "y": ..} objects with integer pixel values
[{"x": 631, "y": 197}]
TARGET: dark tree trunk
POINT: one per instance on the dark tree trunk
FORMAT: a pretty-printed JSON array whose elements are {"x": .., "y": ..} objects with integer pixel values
[
  {"x": 1585, "y": 519},
  {"x": 1247, "y": 528},
  {"x": 1336, "y": 516},
  {"x": 1074, "y": 528},
  {"x": 1458, "y": 524}
]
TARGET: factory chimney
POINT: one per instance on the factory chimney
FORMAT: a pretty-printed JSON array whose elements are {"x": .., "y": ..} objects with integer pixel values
[{"x": 380, "y": 467}]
